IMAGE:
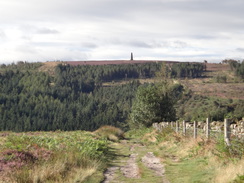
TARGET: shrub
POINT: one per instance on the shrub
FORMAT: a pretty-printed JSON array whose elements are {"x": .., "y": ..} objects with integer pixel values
[
  {"x": 164, "y": 134},
  {"x": 236, "y": 150},
  {"x": 221, "y": 79},
  {"x": 110, "y": 132}
]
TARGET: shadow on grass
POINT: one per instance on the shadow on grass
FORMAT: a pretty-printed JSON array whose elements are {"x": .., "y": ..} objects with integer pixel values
[{"x": 113, "y": 155}]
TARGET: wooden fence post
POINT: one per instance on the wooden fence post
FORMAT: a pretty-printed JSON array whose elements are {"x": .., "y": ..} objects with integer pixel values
[
  {"x": 207, "y": 128},
  {"x": 195, "y": 129},
  {"x": 184, "y": 127},
  {"x": 227, "y": 132},
  {"x": 177, "y": 127}
]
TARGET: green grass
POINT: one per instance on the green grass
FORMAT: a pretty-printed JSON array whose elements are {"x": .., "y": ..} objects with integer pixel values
[
  {"x": 190, "y": 161},
  {"x": 81, "y": 156},
  {"x": 239, "y": 179},
  {"x": 189, "y": 171}
]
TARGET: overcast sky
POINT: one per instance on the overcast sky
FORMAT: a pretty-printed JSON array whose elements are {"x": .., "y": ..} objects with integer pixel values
[{"x": 184, "y": 30}]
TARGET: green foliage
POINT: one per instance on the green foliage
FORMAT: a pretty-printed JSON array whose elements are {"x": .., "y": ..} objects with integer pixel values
[
  {"x": 189, "y": 70},
  {"x": 101, "y": 73},
  {"x": 72, "y": 99},
  {"x": 110, "y": 133},
  {"x": 166, "y": 133},
  {"x": 154, "y": 103},
  {"x": 221, "y": 79},
  {"x": 138, "y": 133},
  {"x": 239, "y": 179},
  {"x": 235, "y": 150},
  {"x": 195, "y": 107},
  {"x": 75, "y": 98},
  {"x": 233, "y": 63},
  {"x": 23, "y": 66},
  {"x": 237, "y": 67},
  {"x": 240, "y": 70},
  {"x": 78, "y": 141}
]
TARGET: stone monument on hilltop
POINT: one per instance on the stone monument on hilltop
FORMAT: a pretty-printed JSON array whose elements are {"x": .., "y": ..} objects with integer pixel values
[{"x": 131, "y": 56}]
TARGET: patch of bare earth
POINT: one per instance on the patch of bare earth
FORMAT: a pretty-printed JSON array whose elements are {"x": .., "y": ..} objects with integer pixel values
[
  {"x": 109, "y": 174},
  {"x": 131, "y": 170},
  {"x": 49, "y": 67},
  {"x": 153, "y": 163},
  {"x": 217, "y": 67}
]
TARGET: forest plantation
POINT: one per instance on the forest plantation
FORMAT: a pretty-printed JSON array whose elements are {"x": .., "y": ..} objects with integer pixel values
[{"x": 86, "y": 97}]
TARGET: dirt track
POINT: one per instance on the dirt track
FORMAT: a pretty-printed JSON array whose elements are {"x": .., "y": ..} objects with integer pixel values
[{"x": 136, "y": 164}]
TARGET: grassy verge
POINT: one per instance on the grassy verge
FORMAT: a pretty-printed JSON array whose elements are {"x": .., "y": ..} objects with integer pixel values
[
  {"x": 77, "y": 156},
  {"x": 189, "y": 160}
]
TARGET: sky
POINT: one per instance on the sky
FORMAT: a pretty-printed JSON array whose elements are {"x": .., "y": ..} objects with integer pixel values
[{"x": 73, "y": 30}]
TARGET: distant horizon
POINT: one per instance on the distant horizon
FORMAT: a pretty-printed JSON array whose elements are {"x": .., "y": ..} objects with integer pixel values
[
  {"x": 182, "y": 30},
  {"x": 136, "y": 58},
  {"x": 119, "y": 60}
]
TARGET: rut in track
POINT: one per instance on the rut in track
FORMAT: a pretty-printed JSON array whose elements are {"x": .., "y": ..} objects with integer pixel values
[{"x": 127, "y": 168}]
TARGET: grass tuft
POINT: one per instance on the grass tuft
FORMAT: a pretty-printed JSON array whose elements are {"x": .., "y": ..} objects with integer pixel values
[{"x": 110, "y": 133}]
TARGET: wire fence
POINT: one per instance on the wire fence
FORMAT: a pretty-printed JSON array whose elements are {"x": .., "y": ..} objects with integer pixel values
[{"x": 232, "y": 134}]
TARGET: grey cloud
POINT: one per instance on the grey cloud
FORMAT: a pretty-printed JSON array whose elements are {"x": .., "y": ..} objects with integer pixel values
[
  {"x": 89, "y": 45},
  {"x": 26, "y": 37},
  {"x": 70, "y": 46},
  {"x": 204, "y": 36},
  {"x": 26, "y": 49},
  {"x": 159, "y": 44},
  {"x": 47, "y": 31},
  {"x": 140, "y": 44},
  {"x": 28, "y": 31},
  {"x": 135, "y": 43},
  {"x": 33, "y": 29},
  {"x": 179, "y": 44},
  {"x": 150, "y": 44},
  {"x": 196, "y": 13},
  {"x": 143, "y": 24},
  {"x": 240, "y": 49},
  {"x": 47, "y": 44},
  {"x": 2, "y": 34}
]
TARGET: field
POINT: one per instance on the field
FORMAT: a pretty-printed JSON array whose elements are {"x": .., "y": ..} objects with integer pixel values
[
  {"x": 81, "y": 156},
  {"x": 189, "y": 160},
  {"x": 206, "y": 86},
  {"x": 109, "y": 155},
  {"x": 230, "y": 88},
  {"x": 51, "y": 156}
]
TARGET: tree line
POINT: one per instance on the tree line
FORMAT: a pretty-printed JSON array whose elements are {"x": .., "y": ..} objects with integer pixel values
[
  {"x": 236, "y": 66},
  {"x": 74, "y": 98},
  {"x": 189, "y": 70}
]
